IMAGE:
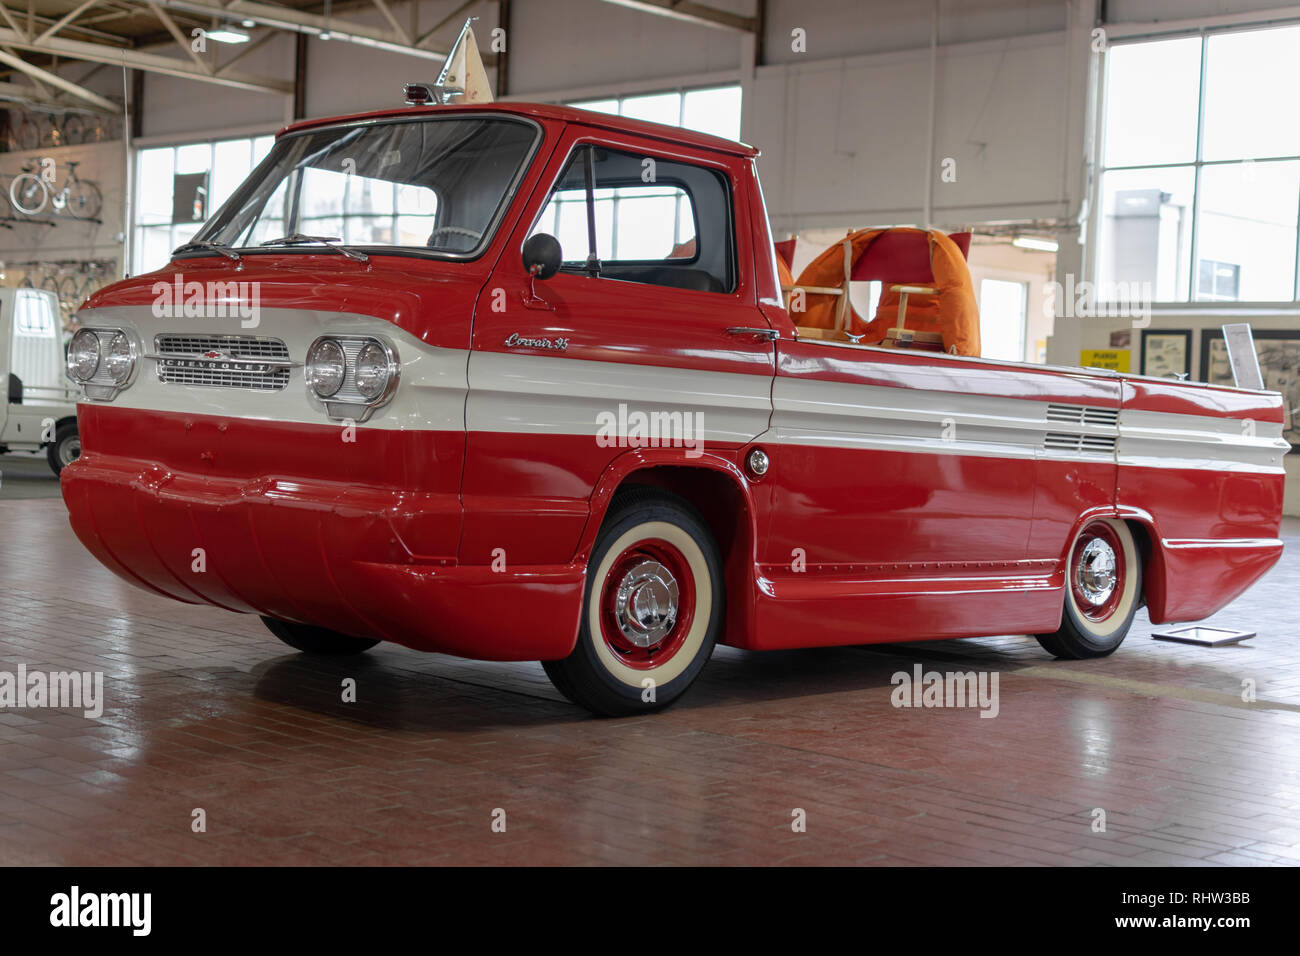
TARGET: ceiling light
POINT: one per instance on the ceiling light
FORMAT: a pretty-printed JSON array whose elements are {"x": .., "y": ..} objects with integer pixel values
[
  {"x": 247, "y": 24},
  {"x": 228, "y": 34},
  {"x": 1038, "y": 245}
]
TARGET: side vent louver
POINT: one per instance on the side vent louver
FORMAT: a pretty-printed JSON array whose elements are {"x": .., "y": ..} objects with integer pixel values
[
  {"x": 1077, "y": 442},
  {"x": 1082, "y": 414},
  {"x": 1063, "y": 441}
]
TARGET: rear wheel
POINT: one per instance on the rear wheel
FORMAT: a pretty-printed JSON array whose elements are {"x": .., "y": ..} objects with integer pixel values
[
  {"x": 317, "y": 640},
  {"x": 652, "y": 610},
  {"x": 1102, "y": 591},
  {"x": 84, "y": 200}
]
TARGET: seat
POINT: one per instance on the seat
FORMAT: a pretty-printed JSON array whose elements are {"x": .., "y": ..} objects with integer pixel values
[{"x": 928, "y": 300}]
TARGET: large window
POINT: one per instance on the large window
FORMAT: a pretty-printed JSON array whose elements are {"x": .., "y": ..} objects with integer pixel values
[
  {"x": 178, "y": 187},
  {"x": 715, "y": 110},
  {"x": 1199, "y": 194}
]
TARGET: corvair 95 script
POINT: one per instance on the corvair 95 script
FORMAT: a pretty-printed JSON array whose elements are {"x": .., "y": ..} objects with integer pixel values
[{"x": 507, "y": 397}]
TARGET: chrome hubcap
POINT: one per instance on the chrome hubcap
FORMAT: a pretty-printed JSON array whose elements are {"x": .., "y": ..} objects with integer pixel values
[
  {"x": 645, "y": 604},
  {"x": 70, "y": 451},
  {"x": 1095, "y": 575}
]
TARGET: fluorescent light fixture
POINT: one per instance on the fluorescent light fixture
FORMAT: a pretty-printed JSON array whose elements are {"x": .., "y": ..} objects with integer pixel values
[
  {"x": 247, "y": 24},
  {"x": 1038, "y": 245},
  {"x": 228, "y": 34}
]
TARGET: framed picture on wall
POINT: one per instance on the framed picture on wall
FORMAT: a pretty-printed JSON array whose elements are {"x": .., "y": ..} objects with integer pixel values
[
  {"x": 1279, "y": 361},
  {"x": 1167, "y": 352}
]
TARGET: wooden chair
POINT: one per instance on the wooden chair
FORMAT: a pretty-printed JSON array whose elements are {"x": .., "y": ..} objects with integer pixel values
[{"x": 902, "y": 259}]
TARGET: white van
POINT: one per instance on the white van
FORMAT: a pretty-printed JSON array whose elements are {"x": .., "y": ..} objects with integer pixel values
[{"x": 39, "y": 411}]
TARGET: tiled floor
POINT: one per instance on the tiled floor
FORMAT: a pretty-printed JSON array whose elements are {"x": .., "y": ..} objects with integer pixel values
[
  {"x": 24, "y": 475},
  {"x": 205, "y": 710}
]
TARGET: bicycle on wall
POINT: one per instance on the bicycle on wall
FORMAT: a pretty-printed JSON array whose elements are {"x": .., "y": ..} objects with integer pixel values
[
  {"x": 31, "y": 193},
  {"x": 27, "y": 130}
]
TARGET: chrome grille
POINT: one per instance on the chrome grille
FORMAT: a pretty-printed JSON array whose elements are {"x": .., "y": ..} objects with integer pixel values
[{"x": 222, "y": 361}]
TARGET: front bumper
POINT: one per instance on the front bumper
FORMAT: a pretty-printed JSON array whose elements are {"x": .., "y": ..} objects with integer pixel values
[{"x": 320, "y": 552}]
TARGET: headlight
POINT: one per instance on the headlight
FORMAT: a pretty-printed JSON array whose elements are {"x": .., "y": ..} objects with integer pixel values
[
  {"x": 352, "y": 375},
  {"x": 373, "y": 370},
  {"x": 120, "y": 359},
  {"x": 83, "y": 356},
  {"x": 326, "y": 367}
]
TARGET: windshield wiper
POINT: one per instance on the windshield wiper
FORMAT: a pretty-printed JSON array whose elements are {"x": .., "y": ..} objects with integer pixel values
[
  {"x": 208, "y": 246},
  {"x": 298, "y": 239}
]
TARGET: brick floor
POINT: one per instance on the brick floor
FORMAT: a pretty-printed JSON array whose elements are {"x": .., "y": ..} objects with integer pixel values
[{"x": 206, "y": 710}]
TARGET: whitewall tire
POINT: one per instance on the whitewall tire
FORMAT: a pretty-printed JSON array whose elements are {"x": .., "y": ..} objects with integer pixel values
[
  {"x": 1103, "y": 590},
  {"x": 652, "y": 608}
]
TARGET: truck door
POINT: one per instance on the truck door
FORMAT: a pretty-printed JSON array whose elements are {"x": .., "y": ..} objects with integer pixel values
[{"x": 562, "y": 370}]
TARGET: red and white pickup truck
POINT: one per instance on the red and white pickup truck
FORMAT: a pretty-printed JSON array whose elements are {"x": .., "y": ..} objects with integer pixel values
[{"x": 517, "y": 382}]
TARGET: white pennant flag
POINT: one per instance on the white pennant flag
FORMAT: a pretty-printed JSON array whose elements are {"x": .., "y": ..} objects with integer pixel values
[{"x": 463, "y": 72}]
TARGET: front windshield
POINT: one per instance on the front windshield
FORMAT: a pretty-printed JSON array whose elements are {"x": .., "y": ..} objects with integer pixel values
[{"x": 432, "y": 184}]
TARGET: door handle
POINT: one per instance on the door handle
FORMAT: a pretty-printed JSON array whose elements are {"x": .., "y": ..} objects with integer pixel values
[{"x": 770, "y": 334}]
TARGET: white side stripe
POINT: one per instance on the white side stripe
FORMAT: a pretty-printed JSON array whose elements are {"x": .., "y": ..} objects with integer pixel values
[{"x": 559, "y": 395}]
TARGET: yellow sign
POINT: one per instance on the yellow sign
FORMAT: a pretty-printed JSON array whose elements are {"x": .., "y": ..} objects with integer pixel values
[{"x": 1117, "y": 360}]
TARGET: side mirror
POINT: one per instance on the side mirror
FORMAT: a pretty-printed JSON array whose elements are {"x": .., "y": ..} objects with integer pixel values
[{"x": 542, "y": 255}]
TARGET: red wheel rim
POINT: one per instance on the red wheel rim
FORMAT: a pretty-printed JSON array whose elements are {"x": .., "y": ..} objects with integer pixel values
[
  {"x": 633, "y": 592},
  {"x": 1096, "y": 559}
]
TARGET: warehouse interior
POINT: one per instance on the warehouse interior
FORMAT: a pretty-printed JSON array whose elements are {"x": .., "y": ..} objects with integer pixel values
[{"x": 1090, "y": 149}]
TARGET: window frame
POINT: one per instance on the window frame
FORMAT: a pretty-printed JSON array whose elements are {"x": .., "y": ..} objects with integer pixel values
[
  {"x": 572, "y": 266},
  {"x": 1197, "y": 164}
]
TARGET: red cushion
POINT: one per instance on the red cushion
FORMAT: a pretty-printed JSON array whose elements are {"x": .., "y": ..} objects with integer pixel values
[
  {"x": 785, "y": 250},
  {"x": 902, "y": 257}
]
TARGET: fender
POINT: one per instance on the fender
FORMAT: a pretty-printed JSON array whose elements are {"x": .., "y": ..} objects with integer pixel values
[
  {"x": 734, "y": 524},
  {"x": 639, "y": 459}
]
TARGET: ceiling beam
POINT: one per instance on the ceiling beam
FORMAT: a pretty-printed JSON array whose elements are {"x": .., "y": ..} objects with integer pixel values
[
  {"x": 181, "y": 39},
  {"x": 245, "y": 49},
  {"x": 66, "y": 19},
  {"x": 140, "y": 60},
  {"x": 455, "y": 15},
  {"x": 690, "y": 12},
  {"x": 44, "y": 77},
  {"x": 82, "y": 24},
  {"x": 288, "y": 18},
  {"x": 9, "y": 19},
  {"x": 388, "y": 15}
]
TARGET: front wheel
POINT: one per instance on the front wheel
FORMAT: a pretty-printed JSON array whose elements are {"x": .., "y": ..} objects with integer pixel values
[
  {"x": 1103, "y": 589},
  {"x": 652, "y": 608},
  {"x": 28, "y": 193},
  {"x": 317, "y": 640}
]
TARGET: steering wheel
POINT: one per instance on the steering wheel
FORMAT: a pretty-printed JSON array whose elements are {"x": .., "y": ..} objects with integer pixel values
[{"x": 454, "y": 230}]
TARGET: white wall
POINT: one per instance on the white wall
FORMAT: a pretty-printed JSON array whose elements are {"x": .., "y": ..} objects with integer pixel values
[{"x": 69, "y": 238}]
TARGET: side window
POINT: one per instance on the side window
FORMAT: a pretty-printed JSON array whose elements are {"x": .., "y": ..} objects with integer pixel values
[{"x": 656, "y": 221}]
